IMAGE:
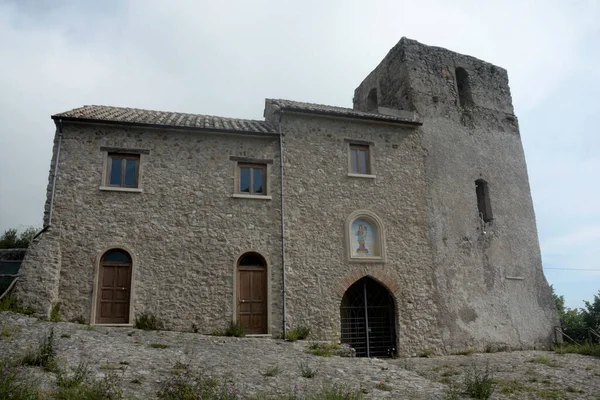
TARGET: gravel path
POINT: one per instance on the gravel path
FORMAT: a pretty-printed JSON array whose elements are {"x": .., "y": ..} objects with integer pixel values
[{"x": 129, "y": 352}]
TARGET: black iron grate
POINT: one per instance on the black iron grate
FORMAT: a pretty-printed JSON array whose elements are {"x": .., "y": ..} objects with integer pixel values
[{"x": 380, "y": 322}]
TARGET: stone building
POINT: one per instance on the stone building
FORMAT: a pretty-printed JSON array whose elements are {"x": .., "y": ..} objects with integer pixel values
[{"x": 400, "y": 225}]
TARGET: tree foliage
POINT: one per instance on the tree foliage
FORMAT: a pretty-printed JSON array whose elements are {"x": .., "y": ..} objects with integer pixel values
[
  {"x": 12, "y": 239},
  {"x": 575, "y": 322}
]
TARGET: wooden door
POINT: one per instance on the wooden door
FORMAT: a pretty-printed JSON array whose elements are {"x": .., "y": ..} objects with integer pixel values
[
  {"x": 114, "y": 288},
  {"x": 252, "y": 298}
]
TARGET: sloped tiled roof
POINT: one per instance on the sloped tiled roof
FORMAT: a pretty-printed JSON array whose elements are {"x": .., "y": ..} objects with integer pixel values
[
  {"x": 136, "y": 116},
  {"x": 311, "y": 108}
]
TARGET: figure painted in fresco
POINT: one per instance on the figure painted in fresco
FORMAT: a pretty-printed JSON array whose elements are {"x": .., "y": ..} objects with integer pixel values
[{"x": 361, "y": 235}]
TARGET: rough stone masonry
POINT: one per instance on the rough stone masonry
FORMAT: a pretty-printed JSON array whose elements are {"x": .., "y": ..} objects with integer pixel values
[{"x": 402, "y": 225}]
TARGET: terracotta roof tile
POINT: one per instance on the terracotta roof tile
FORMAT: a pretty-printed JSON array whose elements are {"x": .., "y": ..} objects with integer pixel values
[
  {"x": 164, "y": 119},
  {"x": 406, "y": 117}
]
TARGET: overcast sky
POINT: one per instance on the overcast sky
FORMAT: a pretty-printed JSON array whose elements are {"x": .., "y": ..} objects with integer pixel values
[{"x": 225, "y": 57}]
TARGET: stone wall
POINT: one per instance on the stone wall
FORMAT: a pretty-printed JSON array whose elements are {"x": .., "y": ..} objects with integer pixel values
[
  {"x": 489, "y": 279},
  {"x": 319, "y": 197},
  {"x": 185, "y": 231},
  {"x": 40, "y": 274}
]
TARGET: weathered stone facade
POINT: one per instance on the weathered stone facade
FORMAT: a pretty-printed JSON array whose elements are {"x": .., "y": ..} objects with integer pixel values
[
  {"x": 455, "y": 280},
  {"x": 489, "y": 280}
]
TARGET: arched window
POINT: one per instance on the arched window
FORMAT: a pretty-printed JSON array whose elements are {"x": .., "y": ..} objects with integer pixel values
[
  {"x": 464, "y": 88},
  {"x": 483, "y": 200},
  {"x": 372, "y": 100},
  {"x": 251, "y": 260},
  {"x": 365, "y": 237}
]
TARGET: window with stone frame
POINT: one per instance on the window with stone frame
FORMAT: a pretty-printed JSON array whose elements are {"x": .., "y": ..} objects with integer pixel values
[
  {"x": 360, "y": 159},
  {"x": 123, "y": 170},
  {"x": 252, "y": 179}
]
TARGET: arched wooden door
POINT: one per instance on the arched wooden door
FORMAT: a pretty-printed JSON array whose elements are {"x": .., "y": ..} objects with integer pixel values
[
  {"x": 114, "y": 288},
  {"x": 252, "y": 293}
]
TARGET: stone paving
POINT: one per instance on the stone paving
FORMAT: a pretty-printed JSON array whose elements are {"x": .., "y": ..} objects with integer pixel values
[{"x": 141, "y": 367}]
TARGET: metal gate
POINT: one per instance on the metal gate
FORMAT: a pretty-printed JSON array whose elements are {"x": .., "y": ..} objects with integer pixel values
[{"x": 368, "y": 319}]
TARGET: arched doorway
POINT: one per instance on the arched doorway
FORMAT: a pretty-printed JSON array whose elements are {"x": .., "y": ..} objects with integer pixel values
[
  {"x": 368, "y": 319},
  {"x": 252, "y": 293},
  {"x": 114, "y": 288}
]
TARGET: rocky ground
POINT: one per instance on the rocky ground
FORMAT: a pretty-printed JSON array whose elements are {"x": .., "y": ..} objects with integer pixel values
[{"x": 142, "y": 359}]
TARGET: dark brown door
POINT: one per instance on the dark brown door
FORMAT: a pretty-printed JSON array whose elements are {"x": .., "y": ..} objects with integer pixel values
[
  {"x": 114, "y": 288},
  {"x": 252, "y": 298}
]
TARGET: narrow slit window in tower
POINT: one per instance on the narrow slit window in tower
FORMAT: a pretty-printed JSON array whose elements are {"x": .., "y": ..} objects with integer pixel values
[
  {"x": 483, "y": 200},
  {"x": 372, "y": 100},
  {"x": 464, "y": 89}
]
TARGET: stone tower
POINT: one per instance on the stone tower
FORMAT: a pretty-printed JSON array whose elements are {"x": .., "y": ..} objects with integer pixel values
[{"x": 488, "y": 272}]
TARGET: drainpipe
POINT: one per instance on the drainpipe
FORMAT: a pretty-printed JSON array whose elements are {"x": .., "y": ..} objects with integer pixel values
[
  {"x": 282, "y": 221},
  {"x": 54, "y": 173}
]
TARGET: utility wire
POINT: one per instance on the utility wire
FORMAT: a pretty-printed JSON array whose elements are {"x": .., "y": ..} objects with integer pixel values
[{"x": 575, "y": 269}]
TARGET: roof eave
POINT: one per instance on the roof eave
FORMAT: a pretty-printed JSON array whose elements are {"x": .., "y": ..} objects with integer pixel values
[
  {"x": 159, "y": 126},
  {"x": 350, "y": 116}
]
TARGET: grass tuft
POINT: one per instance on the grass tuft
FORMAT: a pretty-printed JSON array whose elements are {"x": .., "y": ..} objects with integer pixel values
[
  {"x": 9, "y": 331},
  {"x": 184, "y": 383},
  {"x": 10, "y": 303},
  {"x": 45, "y": 354},
  {"x": 427, "y": 353},
  {"x": 148, "y": 322},
  {"x": 479, "y": 384},
  {"x": 300, "y": 333},
  {"x": 323, "y": 349},
  {"x": 272, "y": 371},
  {"x": 545, "y": 361},
  {"x": 577, "y": 349},
  {"x": 306, "y": 371},
  {"x": 236, "y": 330},
  {"x": 466, "y": 352},
  {"x": 55, "y": 313}
]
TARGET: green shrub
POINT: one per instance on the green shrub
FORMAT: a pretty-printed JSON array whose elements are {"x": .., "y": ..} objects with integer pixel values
[
  {"x": 148, "y": 322},
  {"x": 80, "y": 320},
  {"x": 159, "y": 345},
  {"x": 185, "y": 384},
  {"x": 55, "y": 313},
  {"x": 236, "y": 330},
  {"x": 479, "y": 384},
  {"x": 45, "y": 354},
  {"x": 10, "y": 303}
]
